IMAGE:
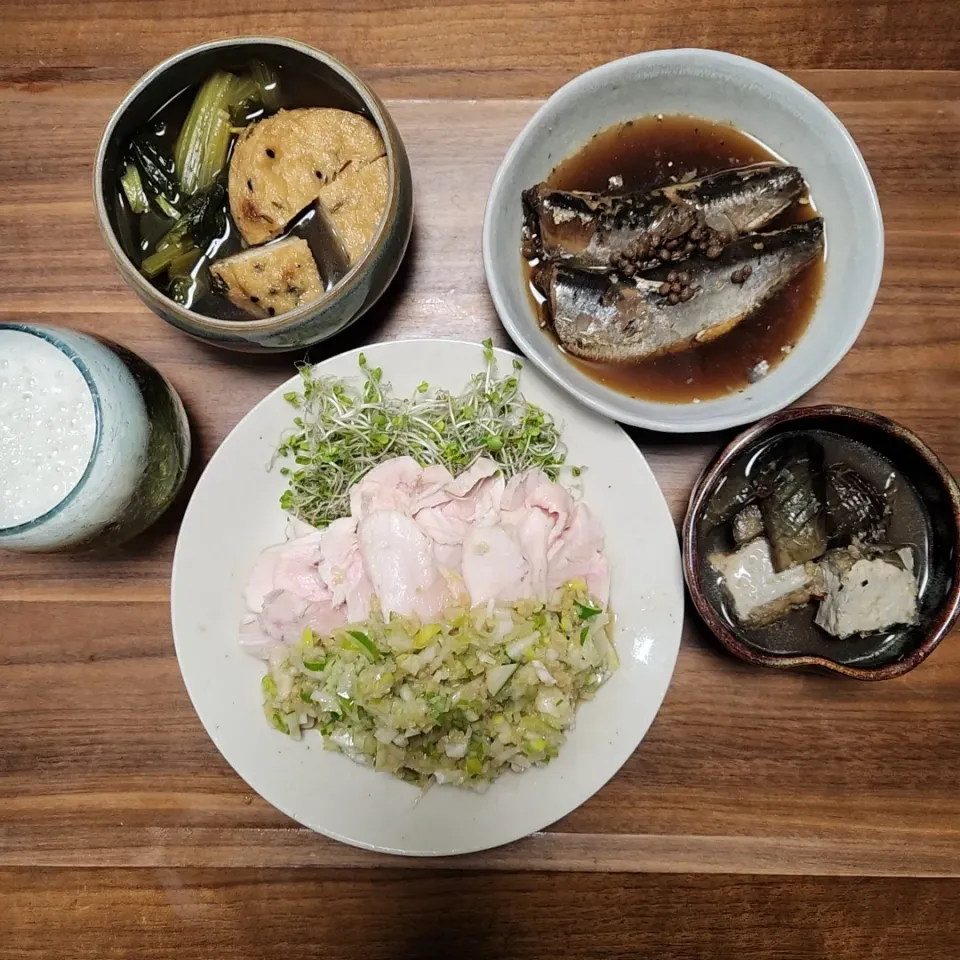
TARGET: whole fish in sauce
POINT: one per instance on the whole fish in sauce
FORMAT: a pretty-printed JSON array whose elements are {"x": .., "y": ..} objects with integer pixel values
[
  {"x": 601, "y": 317},
  {"x": 633, "y": 231}
]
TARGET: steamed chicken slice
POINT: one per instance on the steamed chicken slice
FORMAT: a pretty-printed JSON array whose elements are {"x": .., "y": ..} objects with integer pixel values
[
  {"x": 290, "y": 566},
  {"x": 342, "y": 571},
  {"x": 399, "y": 560},
  {"x": 396, "y": 484},
  {"x": 494, "y": 567},
  {"x": 448, "y": 513},
  {"x": 578, "y": 555},
  {"x": 420, "y": 541}
]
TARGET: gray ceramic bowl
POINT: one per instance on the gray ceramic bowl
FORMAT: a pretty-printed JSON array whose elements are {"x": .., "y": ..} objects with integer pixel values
[
  {"x": 779, "y": 113},
  {"x": 935, "y": 533},
  {"x": 336, "y": 86}
]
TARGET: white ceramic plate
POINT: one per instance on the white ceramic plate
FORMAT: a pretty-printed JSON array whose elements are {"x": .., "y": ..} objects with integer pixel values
[
  {"x": 234, "y": 514},
  {"x": 781, "y": 114}
]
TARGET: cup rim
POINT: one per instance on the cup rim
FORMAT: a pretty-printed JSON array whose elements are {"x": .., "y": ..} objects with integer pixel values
[
  {"x": 191, "y": 320},
  {"x": 44, "y": 333},
  {"x": 949, "y": 610}
]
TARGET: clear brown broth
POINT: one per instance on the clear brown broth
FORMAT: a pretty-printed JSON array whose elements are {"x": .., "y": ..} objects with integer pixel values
[{"x": 295, "y": 90}]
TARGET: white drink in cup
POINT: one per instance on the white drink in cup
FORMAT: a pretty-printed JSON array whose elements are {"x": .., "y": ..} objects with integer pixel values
[{"x": 94, "y": 442}]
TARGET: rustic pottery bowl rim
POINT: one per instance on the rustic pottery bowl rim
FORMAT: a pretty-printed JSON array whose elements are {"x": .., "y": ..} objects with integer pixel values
[
  {"x": 945, "y": 617},
  {"x": 200, "y": 324}
]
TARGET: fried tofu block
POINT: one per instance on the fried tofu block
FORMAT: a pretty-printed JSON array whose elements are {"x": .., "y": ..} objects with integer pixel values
[
  {"x": 866, "y": 595},
  {"x": 354, "y": 203},
  {"x": 759, "y": 594},
  {"x": 268, "y": 281},
  {"x": 280, "y": 164}
]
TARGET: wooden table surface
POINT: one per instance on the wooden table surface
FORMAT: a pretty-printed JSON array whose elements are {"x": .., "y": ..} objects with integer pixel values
[{"x": 765, "y": 815}]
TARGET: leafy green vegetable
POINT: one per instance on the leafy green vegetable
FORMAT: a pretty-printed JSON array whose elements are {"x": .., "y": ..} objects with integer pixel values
[
  {"x": 366, "y": 644},
  {"x": 174, "y": 244},
  {"x": 343, "y": 430},
  {"x": 268, "y": 86},
  {"x": 200, "y": 153},
  {"x": 133, "y": 189},
  {"x": 156, "y": 168},
  {"x": 456, "y": 710},
  {"x": 169, "y": 210},
  {"x": 586, "y": 611},
  {"x": 254, "y": 92},
  {"x": 184, "y": 284},
  {"x": 203, "y": 221},
  {"x": 185, "y": 263}
]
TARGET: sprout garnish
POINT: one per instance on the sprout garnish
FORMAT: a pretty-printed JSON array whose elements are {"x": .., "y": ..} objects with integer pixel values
[{"x": 342, "y": 430}]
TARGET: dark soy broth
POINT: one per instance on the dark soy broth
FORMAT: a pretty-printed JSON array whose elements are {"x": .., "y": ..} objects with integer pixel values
[
  {"x": 295, "y": 90},
  {"x": 647, "y": 153},
  {"x": 795, "y": 632}
]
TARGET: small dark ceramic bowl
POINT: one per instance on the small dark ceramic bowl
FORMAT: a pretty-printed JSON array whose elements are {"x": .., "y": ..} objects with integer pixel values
[
  {"x": 335, "y": 86},
  {"x": 934, "y": 500}
]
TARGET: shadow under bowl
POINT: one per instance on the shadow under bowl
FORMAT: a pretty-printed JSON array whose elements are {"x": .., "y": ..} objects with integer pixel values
[
  {"x": 935, "y": 503},
  {"x": 330, "y": 84}
]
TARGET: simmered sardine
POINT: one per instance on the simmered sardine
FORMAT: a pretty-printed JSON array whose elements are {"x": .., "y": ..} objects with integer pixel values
[
  {"x": 635, "y": 231},
  {"x": 600, "y": 317}
]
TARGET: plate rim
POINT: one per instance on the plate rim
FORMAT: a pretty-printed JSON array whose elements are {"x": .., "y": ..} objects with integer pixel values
[{"x": 212, "y": 731}]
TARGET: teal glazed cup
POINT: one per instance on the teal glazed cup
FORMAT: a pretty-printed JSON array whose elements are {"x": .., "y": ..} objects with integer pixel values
[{"x": 138, "y": 440}]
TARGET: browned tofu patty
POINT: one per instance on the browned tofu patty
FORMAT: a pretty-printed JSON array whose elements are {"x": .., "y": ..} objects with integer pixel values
[
  {"x": 354, "y": 203},
  {"x": 280, "y": 164},
  {"x": 268, "y": 281}
]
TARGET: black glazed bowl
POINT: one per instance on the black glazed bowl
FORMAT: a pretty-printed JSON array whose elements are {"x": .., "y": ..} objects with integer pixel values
[
  {"x": 879, "y": 657},
  {"x": 334, "y": 86}
]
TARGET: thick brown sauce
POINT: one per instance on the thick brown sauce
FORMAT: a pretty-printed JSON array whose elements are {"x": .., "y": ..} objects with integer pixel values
[{"x": 648, "y": 152}]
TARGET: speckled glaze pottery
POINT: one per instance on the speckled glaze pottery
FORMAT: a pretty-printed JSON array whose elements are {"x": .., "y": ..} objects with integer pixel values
[
  {"x": 140, "y": 454},
  {"x": 940, "y": 497},
  {"x": 337, "y": 86}
]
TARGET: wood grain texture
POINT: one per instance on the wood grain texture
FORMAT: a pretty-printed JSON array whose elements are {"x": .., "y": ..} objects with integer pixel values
[
  {"x": 475, "y": 48},
  {"x": 856, "y": 778},
  {"x": 123, "y": 833},
  {"x": 384, "y": 915}
]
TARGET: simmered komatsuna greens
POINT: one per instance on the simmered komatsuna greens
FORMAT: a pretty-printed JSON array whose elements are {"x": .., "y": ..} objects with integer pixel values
[
  {"x": 459, "y": 702},
  {"x": 181, "y": 187}
]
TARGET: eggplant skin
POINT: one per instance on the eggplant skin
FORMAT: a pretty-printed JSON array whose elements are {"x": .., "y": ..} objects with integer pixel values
[{"x": 794, "y": 512}]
